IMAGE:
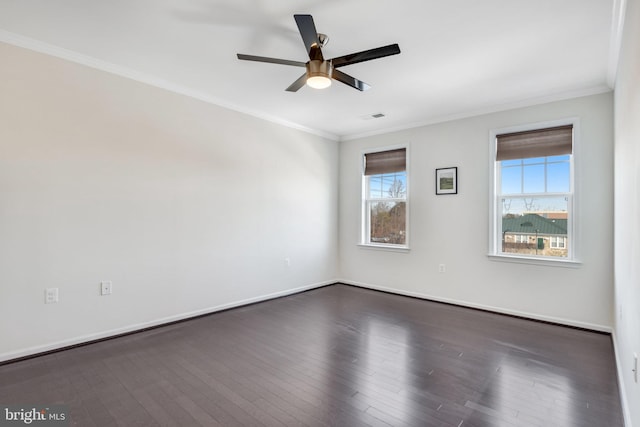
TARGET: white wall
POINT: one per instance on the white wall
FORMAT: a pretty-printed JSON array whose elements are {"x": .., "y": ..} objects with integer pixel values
[
  {"x": 453, "y": 229},
  {"x": 185, "y": 206},
  {"x": 188, "y": 208},
  {"x": 627, "y": 210}
]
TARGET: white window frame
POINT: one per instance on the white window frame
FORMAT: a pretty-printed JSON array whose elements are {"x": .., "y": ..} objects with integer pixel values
[
  {"x": 365, "y": 238},
  {"x": 521, "y": 238},
  {"x": 495, "y": 219},
  {"x": 553, "y": 242}
]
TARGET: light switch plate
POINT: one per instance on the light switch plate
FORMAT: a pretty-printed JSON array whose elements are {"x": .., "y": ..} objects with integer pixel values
[{"x": 106, "y": 287}]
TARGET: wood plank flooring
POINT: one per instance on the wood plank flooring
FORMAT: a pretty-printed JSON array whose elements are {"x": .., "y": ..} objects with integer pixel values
[{"x": 334, "y": 356}]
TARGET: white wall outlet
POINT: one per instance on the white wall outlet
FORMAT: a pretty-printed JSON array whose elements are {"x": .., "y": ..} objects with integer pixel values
[
  {"x": 287, "y": 262},
  {"x": 442, "y": 268},
  {"x": 50, "y": 295},
  {"x": 106, "y": 287}
]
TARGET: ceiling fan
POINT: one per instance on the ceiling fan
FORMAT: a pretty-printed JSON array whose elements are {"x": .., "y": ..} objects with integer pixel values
[{"x": 320, "y": 71}]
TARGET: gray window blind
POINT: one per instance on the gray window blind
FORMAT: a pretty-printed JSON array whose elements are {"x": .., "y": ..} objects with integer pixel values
[
  {"x": 554, "y": 141},
  {"x": 385, "y": 162}
]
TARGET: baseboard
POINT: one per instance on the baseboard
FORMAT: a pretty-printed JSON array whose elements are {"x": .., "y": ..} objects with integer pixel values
[
  {"x": 500, "y": 310},
  {"x": 89, "y": 338},
  {"x": 86, "y": 339},
  {"x": 623, "y": 395}
]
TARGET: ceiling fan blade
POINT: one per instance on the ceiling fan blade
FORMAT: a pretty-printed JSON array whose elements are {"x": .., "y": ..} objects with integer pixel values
[
  {"x": 270, "y": 60},
  {"x": 298, "y": 83},
  {"x": 349, "y": 81},
  {"x": 366, "y": 55},
  {"x": 309, "y": 35}
]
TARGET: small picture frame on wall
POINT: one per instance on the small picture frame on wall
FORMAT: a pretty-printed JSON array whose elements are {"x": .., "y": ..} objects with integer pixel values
[{"x": 447, "y": 181}]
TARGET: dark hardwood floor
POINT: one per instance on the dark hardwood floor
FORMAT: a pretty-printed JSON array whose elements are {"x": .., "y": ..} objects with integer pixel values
[{"x": 339, "y": 356}]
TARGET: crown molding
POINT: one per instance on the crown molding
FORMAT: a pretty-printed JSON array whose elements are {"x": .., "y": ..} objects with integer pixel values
[
  {"x": 561, "y": 96},
  {"x": 615, "y": 40},
  {"x": 149, "y": 79}
]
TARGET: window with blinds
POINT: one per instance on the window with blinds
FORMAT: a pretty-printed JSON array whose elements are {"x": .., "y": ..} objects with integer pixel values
[
  {"x": 534, "y": 194},
  {"x": 384, "y": 219}
]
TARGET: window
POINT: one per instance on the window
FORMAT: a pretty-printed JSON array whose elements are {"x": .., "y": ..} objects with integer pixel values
[
  {"x": 533, "y": 215},
  {"x": 521, "y": 238},
  {"x": 558, "y": 242},
  {"x": 385, "y": 198}
]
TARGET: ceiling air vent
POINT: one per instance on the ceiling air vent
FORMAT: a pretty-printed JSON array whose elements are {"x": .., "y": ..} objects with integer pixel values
[{"x": 373, "y": 116}]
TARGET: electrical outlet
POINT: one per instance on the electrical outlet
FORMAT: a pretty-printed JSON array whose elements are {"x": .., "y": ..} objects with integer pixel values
[
  {"x": 442, "y": 268},
  {"x": 287, "y": 262},
  {"x": 50, "y": 295},
  {"x": 106, "y": 287}
]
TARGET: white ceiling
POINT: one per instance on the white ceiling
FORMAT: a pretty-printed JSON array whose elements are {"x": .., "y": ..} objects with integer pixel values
[{"x": 459, "y": 57}]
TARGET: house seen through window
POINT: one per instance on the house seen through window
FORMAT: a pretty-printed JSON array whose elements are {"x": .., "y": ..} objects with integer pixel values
[{"x": 534, "y": 193}]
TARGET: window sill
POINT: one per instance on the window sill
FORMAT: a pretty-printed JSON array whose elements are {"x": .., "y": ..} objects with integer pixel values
[
  {"x": 389, "y": 248},
  {"x": 566, "y": 263}
]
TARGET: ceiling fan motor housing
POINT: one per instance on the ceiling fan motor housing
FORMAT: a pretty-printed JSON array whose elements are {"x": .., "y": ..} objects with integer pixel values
[
  {"x": 318, "y": 68},
  {"x": 319, "y": 73}
]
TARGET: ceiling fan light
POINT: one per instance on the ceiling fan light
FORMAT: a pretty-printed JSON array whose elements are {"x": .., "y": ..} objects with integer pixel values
[
  {"x": 319, "y": 82},
  {"x": 319, "y": 74}
]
